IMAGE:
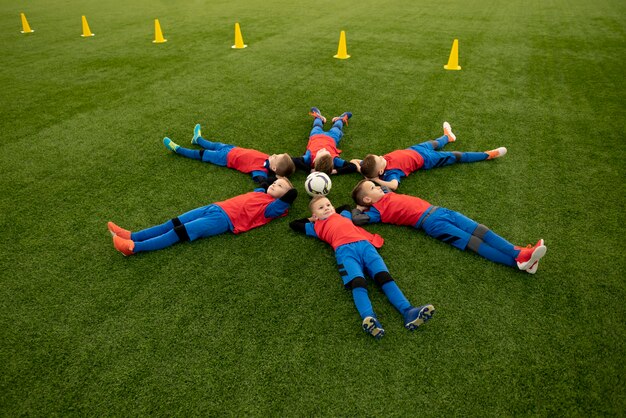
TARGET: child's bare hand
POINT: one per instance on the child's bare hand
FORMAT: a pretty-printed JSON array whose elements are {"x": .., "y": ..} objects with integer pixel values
[{"x": 361, "y": 208}]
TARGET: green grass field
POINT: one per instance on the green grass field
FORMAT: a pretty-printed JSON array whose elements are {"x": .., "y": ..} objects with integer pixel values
[{"x": 259, "y": 324}]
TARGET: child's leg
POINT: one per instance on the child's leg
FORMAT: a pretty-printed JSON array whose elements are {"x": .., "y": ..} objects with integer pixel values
[
  {"x": 318, "y": 127},
  {"x": 435, "y": 143},
  {"x": 157, "y": 230},
  {"x": 361, "y": 297},
  {"x": 213, "y": 146},
  {"x": 352, "y": 275},
  {"x": 213, "y": 222},
  {"x": 336, "y": 132},
  {"x": 218, "y": 157},
  {"x": 436, "y": 159}
]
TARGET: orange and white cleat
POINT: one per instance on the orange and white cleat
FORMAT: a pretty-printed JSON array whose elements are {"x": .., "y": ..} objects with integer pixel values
[
  {"x": 528, "y": 256},
  {"x": 496, "y": 153},
  {"x": 447, "y": 131},
  {"x": 125, "y": 246},
  {"x": 118, "y": 230}
]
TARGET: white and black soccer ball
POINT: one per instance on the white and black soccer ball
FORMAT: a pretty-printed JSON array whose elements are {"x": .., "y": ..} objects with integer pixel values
[{"x": 317, "y": 184}]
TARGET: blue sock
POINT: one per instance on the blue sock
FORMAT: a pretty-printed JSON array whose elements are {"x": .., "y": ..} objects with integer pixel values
[
  {"x": 157, "y": 243},
  {"x": 396, "y": 297},
  {"x": 473, "y": 157},
  {"x": 442, "y": 141},
  {"x": 362, "y": 302},
  {"x": 152, "y": 232},
  {"x": 318, "y": 122},
  {"x": 500, "y": 244},
  {"x": 494, "y": 255},
  {"x": 189, "y": 153}
]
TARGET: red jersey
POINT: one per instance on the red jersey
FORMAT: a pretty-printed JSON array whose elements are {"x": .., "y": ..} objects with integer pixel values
[
  {"x": 247, "y": 211},
  {"x": 319, "y": 141},
  {"x": 246, "y": 160},
  {"x": 401, "y": 209},
  {"x": 337, "y": 230},
  {"x": 406, "y": 160}
]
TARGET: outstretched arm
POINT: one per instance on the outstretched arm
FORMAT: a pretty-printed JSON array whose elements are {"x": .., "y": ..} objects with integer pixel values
[
  {"x": 360, "y": 217},
  {"x": 300, "y": 164},
  {"x": 279, "y": 207},
  {"x": 346, "y": 169},
  {"x": 391, "y": 185},
  {"x": 304, "y": 226}
]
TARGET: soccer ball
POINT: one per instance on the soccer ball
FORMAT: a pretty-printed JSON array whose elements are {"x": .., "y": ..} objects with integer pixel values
[{"x": 317, "y": 183}]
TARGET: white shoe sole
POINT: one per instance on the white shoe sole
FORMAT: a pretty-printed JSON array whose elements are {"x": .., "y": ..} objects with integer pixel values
[{"x": 539, "y": 252}]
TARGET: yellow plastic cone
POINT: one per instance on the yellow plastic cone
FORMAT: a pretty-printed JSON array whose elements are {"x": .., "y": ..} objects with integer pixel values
[
  {"x": 342, "y": 50},
  {"x": 453, "y": 61},
  {"x": 158, "y": 34},
  {"x": 25, "y": 26},
  {"x": 238, "y": 38},
  {"x": 86, "y": 31}
]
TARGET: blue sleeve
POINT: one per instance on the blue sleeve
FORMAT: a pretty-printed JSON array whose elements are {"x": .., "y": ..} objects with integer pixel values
[
  {"x": 276, "y": 208},
  {"x": 307, "y": 157},
  {"x": 374, "y": 215},
  {"x": 259, "y": 190},
  {"x": 393, "y": 175},
  {"x": 310, "y": 230},
  {"x": 338, "y": 162},
  {"x": 259, "y": 173},
  {"x": 346, "y": 214}
]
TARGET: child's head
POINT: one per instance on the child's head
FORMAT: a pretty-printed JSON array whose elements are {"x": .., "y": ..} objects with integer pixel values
[
  {"x": 366, "y": 193},
  {"x": 323, "y": 161},
  {"x": 282, "y": 164},
  {"x": 279, "y": 188},
  {"x": 373, "y": 166},
  {"x": 321, "y": 208}
]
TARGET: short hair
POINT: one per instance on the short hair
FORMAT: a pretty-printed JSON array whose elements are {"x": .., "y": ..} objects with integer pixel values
[
  {"x": 358, "y": 193},
  {"x": 314, "y": 200},
  {"x": 368, "y": 166},
  {"x": 287, "y": 180},
  {"x": 285, "y": 166},
  {"x": 324, "y": 164}
]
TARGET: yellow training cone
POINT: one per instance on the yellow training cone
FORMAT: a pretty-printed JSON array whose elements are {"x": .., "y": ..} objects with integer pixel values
[
  {"x": 238, "y": 38},
  {"x": 86, "y": 31},
  {"x": 453, "y": 61},
  {"x": 158, "y": 35},
  {"x": 25, "y": 26},
  {"x": 342, "y": 50}
]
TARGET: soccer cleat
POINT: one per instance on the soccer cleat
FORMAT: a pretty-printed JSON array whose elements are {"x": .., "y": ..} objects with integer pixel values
[
  {"x": 118, "y": 230},
  {"x": 344, "y": 118},
  {"x": 529, "y": 255},
  {"x": 197, "y": 133},
  {"x": 447, "y": 131},
  {"x": 415, "y": 317},
  {"x": 496, "y": 153},
  {"x": 125, "y": 246},
  {"x": 373, "y": 327},
  {"x": 315, "y": 112},
  {"x": 170, "y": 145}
]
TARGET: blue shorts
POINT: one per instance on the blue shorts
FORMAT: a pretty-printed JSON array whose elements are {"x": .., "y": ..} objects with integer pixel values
[
  {"x": 218, "y": 155},
  {"x": 432, "y": 158},
  {"x": 357, "y": 258},
  {"x": 205, "y": 221},
  {"x": 450, "y": 227},
  {"x": 334, "y": 133}
]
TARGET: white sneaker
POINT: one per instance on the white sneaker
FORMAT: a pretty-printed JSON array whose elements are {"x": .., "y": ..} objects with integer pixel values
[
  {"x": 447, "y": 131},
  {"x": 496, "y": 153}
]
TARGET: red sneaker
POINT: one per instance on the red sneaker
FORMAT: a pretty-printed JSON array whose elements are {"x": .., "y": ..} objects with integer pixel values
[
  {"x": 118, "y": 230},
  {"x": 496, "y": 153},
  {"x": 315, "y": 112},
  {"x": 529, "y": 255},
  {"x": 125, "y": 246}
]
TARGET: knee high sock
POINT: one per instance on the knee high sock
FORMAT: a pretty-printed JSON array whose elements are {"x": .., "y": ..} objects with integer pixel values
[
  {"x": 152, "y": 232},
  {"x": 473, "y": 157},
  {"x": 396, "y": 297},
  {"x": 492, "y": 254},
  {"x": 213, "y": 146},
  {"x": 442, "y": 141},
  {"x": 189, "y": 153},
  {"x": 157, "y": 243},
  {"x": 500, "y": 244},
  {"x": 362, "y": 302}
]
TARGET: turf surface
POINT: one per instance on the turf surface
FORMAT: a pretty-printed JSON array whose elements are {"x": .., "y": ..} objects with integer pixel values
[{"x": 259, "y": 324}]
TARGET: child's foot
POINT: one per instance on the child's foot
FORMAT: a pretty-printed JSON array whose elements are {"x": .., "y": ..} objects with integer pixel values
[
  {"x": 344, "y": 118},
  {"x": 315, "y": 112},
  {"x": 373, "y": 327},
  {"x": 496, "y": 153},
  {"x": 529, "y": 255},
  {"x": 125, "y": 246},
  {"x": 415, "y": 317},
  {"x": 447, "y": 131},
  {"x": 197, "y": 133},
  {"x": 118, "y": 230},
  {"x": 170, "y": 145}
]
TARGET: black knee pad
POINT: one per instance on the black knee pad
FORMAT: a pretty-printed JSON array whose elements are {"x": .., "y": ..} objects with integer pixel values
[
  {"x": 435, "y": 144},
  {"x": 480, "y": 231},
  {"x": 474, "y": 243},
  {"x": 181, "y": 231},
  {"x": 356, "y": 283},
  {"x": 176, "y": 222},
  {"x": 201, "y": 154},
  {"x": 457, "y": 155},
  {"x": 382, "y": 278}
]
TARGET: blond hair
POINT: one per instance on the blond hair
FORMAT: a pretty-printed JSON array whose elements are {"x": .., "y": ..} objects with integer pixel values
[
  {"x": 368, "y": 166},
  {"x": 285, "y": 166}
]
